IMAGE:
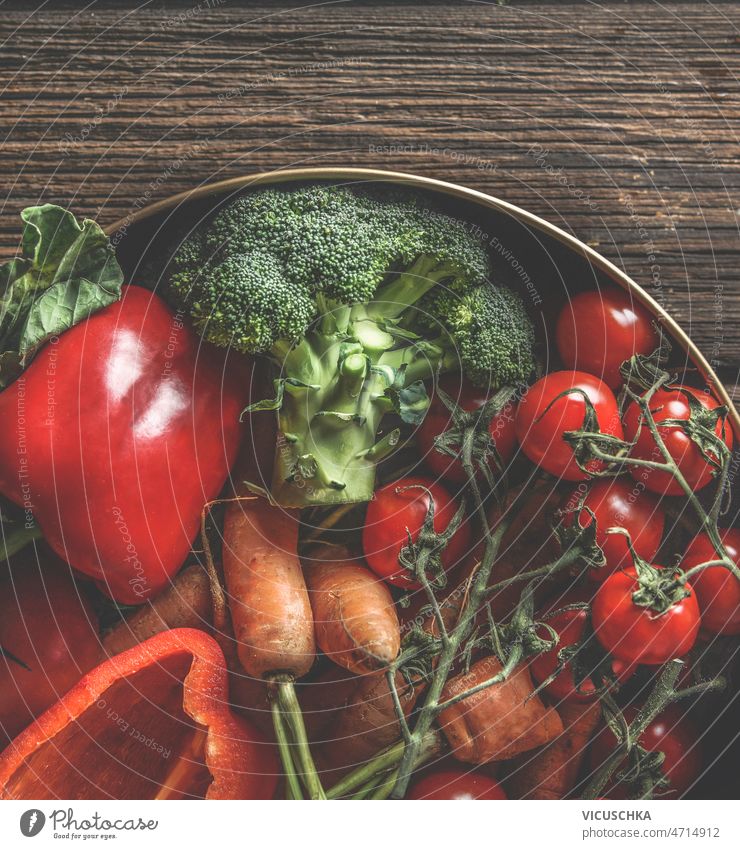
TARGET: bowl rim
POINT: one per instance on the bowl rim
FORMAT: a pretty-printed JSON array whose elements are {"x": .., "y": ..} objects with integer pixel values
[{"x": 261, "y": 178}]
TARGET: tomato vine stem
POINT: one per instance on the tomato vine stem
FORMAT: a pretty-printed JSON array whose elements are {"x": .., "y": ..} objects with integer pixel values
[
  {"x": 450, "y": 648},
  {"x": 662, "y": 694}
]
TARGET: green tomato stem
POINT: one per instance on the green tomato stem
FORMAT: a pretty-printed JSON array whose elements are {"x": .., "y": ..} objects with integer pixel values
[
  {"x": 566, "y": 559},
  {"x": 516, "y": 655},
  {"x": 662, "y": 694},
  {"x": 707, "y": 521},
  {"x": 390, "y": 676},
  {"x": 430, "y": 708},
  {"x": 707, "y": 524}
]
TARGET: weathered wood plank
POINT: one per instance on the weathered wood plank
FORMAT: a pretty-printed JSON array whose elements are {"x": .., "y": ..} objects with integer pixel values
[{"x": 618, "y": 121}]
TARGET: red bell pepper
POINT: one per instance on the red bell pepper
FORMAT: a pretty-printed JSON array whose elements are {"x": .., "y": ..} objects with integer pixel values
[
  {"x": 151, "y": 723},
  {"x": 116, "y": 435},
  {"x": 48, "y": 638}
]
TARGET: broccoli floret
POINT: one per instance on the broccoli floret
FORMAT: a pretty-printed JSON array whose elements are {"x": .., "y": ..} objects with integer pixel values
[
  {"x": 339, "y": 255},
  {"x": 490, "y": 330},
  {"x": 252, "y": 288},
  {"x": 342, "y": 288}
]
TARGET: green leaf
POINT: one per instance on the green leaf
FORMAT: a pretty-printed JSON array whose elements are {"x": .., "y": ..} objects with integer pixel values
[
  {"x": 48, "y": 231},
  {"x": 410, "y": 402},
  {"x": 59, "y": 308},
  {"x": 10, "y": 271},
  {"x": 67, "y": 272}
]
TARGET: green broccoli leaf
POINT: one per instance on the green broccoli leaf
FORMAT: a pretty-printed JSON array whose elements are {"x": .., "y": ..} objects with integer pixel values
[
  {"x": 410, "y": 402},
  {"x": 67, "y": 272}
]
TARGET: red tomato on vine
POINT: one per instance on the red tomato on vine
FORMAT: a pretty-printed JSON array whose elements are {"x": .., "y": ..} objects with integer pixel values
[
  {"x": 396, "y": 516},
  {"x": 456, "y": 784},
  {"x": 570, "y": 625},
  {"x": 556, "y": 405},
  {"x": 670, "y": 733},
  {"x": 717, "y": 589},
  {"x": 617, "y": 503},
  {"x": 639, "y": 633},
  {"x": 675, "y": 404}
]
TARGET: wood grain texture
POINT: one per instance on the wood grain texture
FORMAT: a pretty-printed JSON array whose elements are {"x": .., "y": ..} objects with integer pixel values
[{"x": 617, "y": 121}]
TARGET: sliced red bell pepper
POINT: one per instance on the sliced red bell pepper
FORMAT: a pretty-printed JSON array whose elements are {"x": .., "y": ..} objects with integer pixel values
[{"x": 151, "y": 723}]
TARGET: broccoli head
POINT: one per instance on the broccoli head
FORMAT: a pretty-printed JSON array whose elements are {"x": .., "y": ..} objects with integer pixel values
[{"x": 356, "y": 295}]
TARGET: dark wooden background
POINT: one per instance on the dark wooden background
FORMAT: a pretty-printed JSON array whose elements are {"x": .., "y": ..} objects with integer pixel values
[{"x": 618, "y": 121}]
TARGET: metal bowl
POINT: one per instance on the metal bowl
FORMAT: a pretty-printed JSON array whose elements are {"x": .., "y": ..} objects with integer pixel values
[
  {"x": 546, "y": 263},
  {"x": 550, "y": 263}
]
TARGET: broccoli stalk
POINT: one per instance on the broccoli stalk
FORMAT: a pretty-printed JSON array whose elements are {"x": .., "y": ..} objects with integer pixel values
[
  {"x": 327, "y": 448},
  {"x": 356, "y": 300},
  {"x": 334, "y": 389}
]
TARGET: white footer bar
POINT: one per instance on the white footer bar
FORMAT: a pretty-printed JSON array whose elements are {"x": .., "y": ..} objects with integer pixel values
[{"x": 365, "y": 825}]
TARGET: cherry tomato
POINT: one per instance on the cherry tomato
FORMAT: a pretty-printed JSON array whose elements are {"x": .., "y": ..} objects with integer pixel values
[
  {"x": 618, "y": 503},
  {"x": 671, "y": 404},
  {"x": 570, "y": 626},
  {"x": 541, "y": 420},
  {"x": 717, "y": 589},
  {"x": 399, "y": 510},
  {"x": 456, "y": 784},
  {"x": 639, "y": 634},
  {"x": 669, "y": 733},
  {"x": 439, "y": 419},
  {"x": 51, "y": 631},
  {"x": 598, "y": 330}
]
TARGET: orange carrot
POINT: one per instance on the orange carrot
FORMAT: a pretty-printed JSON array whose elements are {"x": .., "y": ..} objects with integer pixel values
[
  {"x": 365, "y": 726},
  {"x": 251, "y": 696},
  {"x": 269, "y": 604},
  {"x": 552, "y": 772},
  {"x": 356, "y": 621},
  {"x": 321, "y": 698},
  {"x": 369, "y": 723},
  {"x": 324, "y": 698},
  {"x": 499, "y": 722},
  {"x": 186, "y": 603},
  {"x": 272, "y": 623}
]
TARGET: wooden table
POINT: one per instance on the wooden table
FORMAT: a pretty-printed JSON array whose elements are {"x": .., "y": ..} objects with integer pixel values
[{"x": 618, "y": 121}]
